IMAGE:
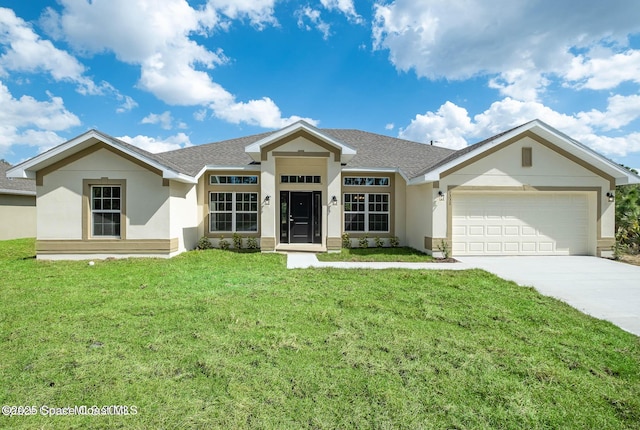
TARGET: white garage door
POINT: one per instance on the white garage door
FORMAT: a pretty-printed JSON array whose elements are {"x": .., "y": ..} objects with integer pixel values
[{"x": 529, "y": 223}]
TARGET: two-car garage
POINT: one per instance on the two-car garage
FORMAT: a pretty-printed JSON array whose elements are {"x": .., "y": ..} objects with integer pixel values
[{"x": 523, "y": 223}]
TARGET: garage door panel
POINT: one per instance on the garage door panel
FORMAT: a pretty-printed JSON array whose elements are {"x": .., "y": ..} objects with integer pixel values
[{"x": 527, "y": 223}]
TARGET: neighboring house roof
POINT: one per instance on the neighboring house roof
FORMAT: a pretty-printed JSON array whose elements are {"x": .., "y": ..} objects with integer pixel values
[
  {"x": 360, "y": 150},
  {"x": 24, "y": 187}
]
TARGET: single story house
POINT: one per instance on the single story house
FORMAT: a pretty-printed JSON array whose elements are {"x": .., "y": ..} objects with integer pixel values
[
  {"x": 17, "y": 206},
  {"x": 531, "y": 190}
]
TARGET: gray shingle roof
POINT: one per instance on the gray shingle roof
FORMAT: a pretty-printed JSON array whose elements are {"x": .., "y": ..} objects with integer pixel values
[
  {"x": 17, "y": 186},
  {"x": 374, "y": 151}
]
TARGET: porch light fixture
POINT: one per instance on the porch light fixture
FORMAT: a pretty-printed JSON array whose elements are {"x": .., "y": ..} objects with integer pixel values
[
  {"x": 334, "y": 200},
  {"x": 440, "y": 195},
  {"x": 611, "y": 196},
  {"x": 267, "y": 199}
]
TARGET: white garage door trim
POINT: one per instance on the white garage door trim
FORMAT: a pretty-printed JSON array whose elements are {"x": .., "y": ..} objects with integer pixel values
[{"x": 521, "y": 223}]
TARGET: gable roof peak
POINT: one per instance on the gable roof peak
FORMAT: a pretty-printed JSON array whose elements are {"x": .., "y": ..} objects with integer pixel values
[{"x": 254, "y": 150}]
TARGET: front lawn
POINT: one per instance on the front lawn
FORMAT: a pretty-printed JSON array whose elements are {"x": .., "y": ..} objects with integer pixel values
[
  {"x": 402, "y": 254},
  {"x": 216, "y": 339}
]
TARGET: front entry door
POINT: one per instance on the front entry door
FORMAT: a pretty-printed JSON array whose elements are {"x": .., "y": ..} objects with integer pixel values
[{"x": 300, "y": 217}]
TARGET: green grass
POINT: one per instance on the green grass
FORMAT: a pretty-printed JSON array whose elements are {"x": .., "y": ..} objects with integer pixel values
[
  {"x": 217, "y": 339},
  {"x": 377, "y": 254}
]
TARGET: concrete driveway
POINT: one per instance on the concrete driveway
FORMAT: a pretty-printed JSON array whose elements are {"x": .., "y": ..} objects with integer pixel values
[{"x": 602, "y": 288}]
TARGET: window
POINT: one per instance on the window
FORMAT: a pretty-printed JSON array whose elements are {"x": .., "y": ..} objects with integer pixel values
[
  {"x": 366, "y": 212},
  {"x": 233, "y": 212},
  {"x": 527, "y": 157},
  {"x": 105, "y": 210},
  {"x": 366, "y": 181},
  {"x": 299, "y": 179},
  {"x": 233, "y": 180}
]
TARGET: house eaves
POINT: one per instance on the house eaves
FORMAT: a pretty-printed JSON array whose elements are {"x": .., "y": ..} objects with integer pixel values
[
  {"x": 29, "y": 168},
  {"x": 254, "y": 150},
  {"x": 542, "y": 130}
]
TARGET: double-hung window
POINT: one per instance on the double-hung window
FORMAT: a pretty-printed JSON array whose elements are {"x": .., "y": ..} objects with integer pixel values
[
  {"x": 106, "y": 208},
  {"x": 366, "y": 212},
  {"x": 233, "y": 212}
]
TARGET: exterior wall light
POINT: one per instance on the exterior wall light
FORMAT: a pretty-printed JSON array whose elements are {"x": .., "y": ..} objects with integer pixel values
[
  {"x": 611, "y": 196},
  {"x": 267, "y": 199},
  {"x": 334, "y": 200},
  {"x": 440, "y": 195}
]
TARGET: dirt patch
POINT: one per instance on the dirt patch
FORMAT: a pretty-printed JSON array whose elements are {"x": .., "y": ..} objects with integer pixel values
[{"x": 631, "y": 259}]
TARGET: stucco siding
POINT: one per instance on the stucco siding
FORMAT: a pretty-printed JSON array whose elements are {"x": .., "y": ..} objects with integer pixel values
[
  {"x": 18, "y": 215},
  {"x": 418, "y": 215},
  {"x": 60, "y": 198},
  {"x": 551, "y": 171},
  {"x": 400, "y": 195},
  {"x": 184, "y": 215},
  {"x": 504, "y": 169}
]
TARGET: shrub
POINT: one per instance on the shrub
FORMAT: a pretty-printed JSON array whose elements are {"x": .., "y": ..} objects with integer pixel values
[
  {"x": 204, "y": 243},
  {"x": 379, "y": 242},
  {"x": 394, "y": 242},
  {"x": 364, "y": 241},
  {"x": 346, "y": 240},
  {"x": 237, "y": 241},
  {"x": 252, "y": 243},
  {"x": 223, "y": 243},
  {"x": 444, "y": 248}
]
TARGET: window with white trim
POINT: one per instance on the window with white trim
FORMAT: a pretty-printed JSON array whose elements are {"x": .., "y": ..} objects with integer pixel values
[
  {"x": 366, "y": 181},
  {"x": 366, "y": 212},
  {"x": 233, "y": 180},
  {"x": 233, "y": 212},
  {"x": 105, "y": 210}
]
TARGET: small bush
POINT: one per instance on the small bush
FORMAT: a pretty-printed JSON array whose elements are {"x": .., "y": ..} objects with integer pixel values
[
  {"x": 394, "y": 242},
  {"x": 223, "y": 243},
  {"x": 378, "y": 241},
  {"x": 364, "y": 241},
  {"x": 204, "y": 243},
  {"x": 444, "y": 248},
  {"x": 346, "y": 240},
  {"x": 252, "y": 243},
  {"x": 237, "y": 241}
]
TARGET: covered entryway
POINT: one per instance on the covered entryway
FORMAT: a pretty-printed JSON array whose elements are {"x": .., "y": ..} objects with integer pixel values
[
  {"x": 300, "y": 217},
  {"x": 521, "y": 223}
]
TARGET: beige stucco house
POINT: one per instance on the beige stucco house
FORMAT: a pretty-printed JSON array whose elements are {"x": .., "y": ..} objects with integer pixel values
[
  {"x": 17, "y": 206},
  {"x": 528, "y": 191}
]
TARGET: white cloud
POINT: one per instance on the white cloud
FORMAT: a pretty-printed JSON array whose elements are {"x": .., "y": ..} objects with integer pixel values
[
  {"x": 344, "y": 6},
  {"x": 263, "y": 113},
  {"x": 621, "y": 110},
  {"x": 259, "y": 12},
  {"x": 127, "y": 104},
  {"x": 390, "y": 126},
  {"x": 25, "y": 51},
  {"x": 155, "y": 145},
  {"x": 27, "y": 121},
  {"x": 452, "y": 127},
  {"x": 604, "y": 70},
  {"x": 173, "y": 67},
  {"x": 200, "y": 115},
  {"x": 313, "y": 16},
  {"x": 520, "y": 43},
  {"x": 164, "y": 119}
]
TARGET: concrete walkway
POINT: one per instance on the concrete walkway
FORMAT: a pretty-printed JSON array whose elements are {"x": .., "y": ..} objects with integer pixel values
[{"x": 601, "y": 288}]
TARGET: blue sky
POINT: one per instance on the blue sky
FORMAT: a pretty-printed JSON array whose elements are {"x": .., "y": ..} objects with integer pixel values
[{"x": 166, "y": 74}]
